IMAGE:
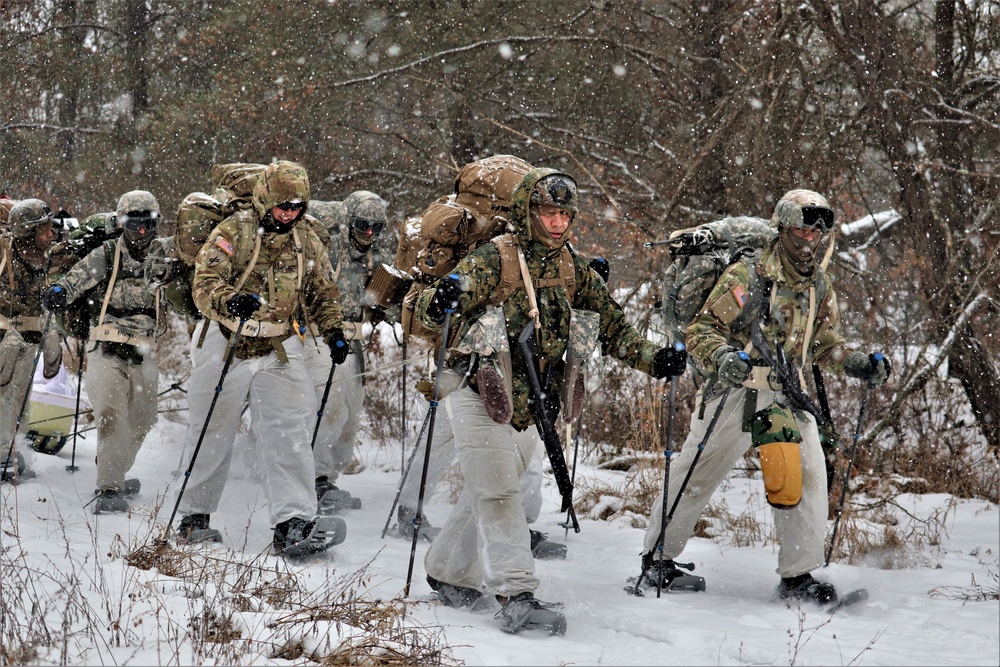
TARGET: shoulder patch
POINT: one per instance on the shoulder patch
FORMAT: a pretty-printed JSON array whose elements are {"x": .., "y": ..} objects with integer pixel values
[
  {"x": 225, "y": 245},
  {"x": 740, "y": 296}
]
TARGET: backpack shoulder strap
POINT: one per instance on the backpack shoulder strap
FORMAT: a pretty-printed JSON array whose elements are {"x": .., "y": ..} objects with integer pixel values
[
  {"x": 116, "y": 262},
  {"x": 510, "y": 269},
  {"x": 247, "y": 248}
]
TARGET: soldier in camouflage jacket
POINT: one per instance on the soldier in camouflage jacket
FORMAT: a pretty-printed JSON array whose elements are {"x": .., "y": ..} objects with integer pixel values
[
  {"x": 787, "y": 294},
  {"x": 24, "y": 269},
  {"x": 484, "y": 545},
  {"x": 260, "y": 273},
  {"x": 125, "y": 319},
  {"x": 353, "y": 233}
]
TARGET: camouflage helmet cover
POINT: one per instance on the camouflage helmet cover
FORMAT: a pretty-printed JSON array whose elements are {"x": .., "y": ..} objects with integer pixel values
[
  {"x": 557, "y": 190},
  {"x": 788, "y": 210},
  {"x": 131, "y": 201},
  {"x": 365, "y": 205},
  {"x": 281, "y": 182},
  {"x": 27, "y": 215},
  {"x": 527, "y": 195}
]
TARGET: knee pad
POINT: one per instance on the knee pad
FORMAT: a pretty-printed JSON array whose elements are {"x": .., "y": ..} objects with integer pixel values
[{"x": 776, "y": 438}]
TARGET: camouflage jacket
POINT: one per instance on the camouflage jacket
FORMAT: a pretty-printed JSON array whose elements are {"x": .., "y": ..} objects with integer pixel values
[
  {"x": 132, "y": 306},
  {"x": 480, "y": 276},
  {"x": 21, "y": 289},
  {"x": 274, "y": 278},
  {"x": 738, "y": 298}
]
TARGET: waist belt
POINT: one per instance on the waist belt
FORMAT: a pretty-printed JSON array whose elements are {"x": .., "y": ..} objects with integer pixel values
[
  {"x": 109, "y": 332},
  {"x": 352, "y": 330},
  {"x": 762, "y": 378},
  {"x": 19, "y": 323},
  {"x": 258, "y": 329}
]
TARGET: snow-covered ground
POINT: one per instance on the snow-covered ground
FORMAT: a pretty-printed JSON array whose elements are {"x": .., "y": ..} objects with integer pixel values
[{"x": 100, "y": 610}]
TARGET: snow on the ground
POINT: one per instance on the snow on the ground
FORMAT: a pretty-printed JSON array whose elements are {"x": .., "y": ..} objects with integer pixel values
[{"x": 142, "y": 617}]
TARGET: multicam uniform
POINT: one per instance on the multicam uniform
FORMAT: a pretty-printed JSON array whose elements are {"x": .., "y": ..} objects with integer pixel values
[
  {"x": 734, "y": 303},
  {"x": 122, "y": 373},
  {"x": 484, "y": 545},
  {"x": 353, "y": 263},
  {"x": 291, "y": 273}
]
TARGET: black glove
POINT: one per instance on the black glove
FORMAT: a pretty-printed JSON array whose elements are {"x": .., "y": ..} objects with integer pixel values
[
  {"x": 54, "y": 298},
  {"x": 733, "y": 366},
  {"x": 243, "y": 306},
  {"x": 339, "y": 348},
  {"x": 449, "y": 288},
  {"x": 601, "y": 268},
  {"x": 873, "y": 367},
  {"x": 669, "y": 361}
]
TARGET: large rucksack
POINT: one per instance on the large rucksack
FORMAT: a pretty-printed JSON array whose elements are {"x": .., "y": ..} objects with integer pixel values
[
  {"x": 698, "y": 261},
  {"x": 453, "y": 226}
]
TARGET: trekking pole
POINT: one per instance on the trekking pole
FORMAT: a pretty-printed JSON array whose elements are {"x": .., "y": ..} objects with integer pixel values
[
  {"x": 406, "y": 473},
  {"x": 72, "y": 467},
  {"x": 875, "y": 358},
  {"x": 636, "y": 589},
  {"x": 402, "y": 451},
  {"x": 432, "y": 413},
  {"x": 322, "y": 403},
  {"x": 667, "y": 453},
  {"x": 576, "y": 452},
  {"x": 230, "y": 353},
  {"x": 27, "y": 393}
]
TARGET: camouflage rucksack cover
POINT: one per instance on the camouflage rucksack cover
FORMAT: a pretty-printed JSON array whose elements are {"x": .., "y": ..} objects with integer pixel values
[
  {"x": 694, "y": 271},
  {"x": 6, "y": 203},
  {"x": 74, "y": 320},
  {"x": 453, "y": 226}
]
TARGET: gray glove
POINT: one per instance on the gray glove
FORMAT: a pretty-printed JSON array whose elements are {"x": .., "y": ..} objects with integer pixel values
[
  {"x": 871, "y": 367},
  {"x": 733, "y": 367}
]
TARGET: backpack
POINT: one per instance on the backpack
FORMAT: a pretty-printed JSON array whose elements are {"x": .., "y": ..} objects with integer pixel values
[
  {"x": 695, "y": 269},
  {"x": 91, "y": 233}
]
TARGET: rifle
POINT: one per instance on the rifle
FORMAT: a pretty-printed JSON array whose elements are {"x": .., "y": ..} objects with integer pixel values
[
  {"x": 789, "y": 380},
  {"x": 544, "y": 423}
]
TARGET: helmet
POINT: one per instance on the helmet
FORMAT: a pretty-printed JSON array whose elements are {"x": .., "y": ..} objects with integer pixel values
[
  {"x": 27, "y": 215},
  {"x": 280, "y": 182},
  {"x": 365, "y": 210},
  {"x": 134, "y": 204},
  {"x": 803, "y": 208},
  {"x": 557, "y": 190}
]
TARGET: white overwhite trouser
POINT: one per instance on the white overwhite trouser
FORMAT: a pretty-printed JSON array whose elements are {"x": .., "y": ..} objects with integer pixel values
[
  {"x": 484, "y": 544},
  {"x": 123, "y": 397},
  {"x": 801, "y": 531},
  {"x": 282, "y": 407},
  {"x": 443, "y": 453},
  {"x": 338, "y": 432},
  {"x": 11, "y": 397}
]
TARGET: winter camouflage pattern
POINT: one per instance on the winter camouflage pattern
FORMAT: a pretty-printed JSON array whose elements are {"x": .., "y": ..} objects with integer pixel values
[
  {"x": 275, "y": 277},
  {"x": 736, "y": 300},
  {"x": 480, "y": 276},
  {"x": 354, "y": 266},
  {"x": 486, "y": 336},
  {"x": 137, "y": 200},
  {"x": 584, "y": 328},
  {"x": 774, "y": 424},
  {"x": 132, "y": 307}
]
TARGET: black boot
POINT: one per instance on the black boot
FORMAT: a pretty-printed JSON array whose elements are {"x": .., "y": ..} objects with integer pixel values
[
  {"x": 804, "y": 587},
  {"x": 454, "y": 596},
  {"x": 110, "y": 500},
  {"x": 194, "y": 528},
  {"x": 524, "y": 612},
  {"x": 544, "y": 549},
  {"x": 330, "y": 499},
  {"x": 297, "y": 537}
]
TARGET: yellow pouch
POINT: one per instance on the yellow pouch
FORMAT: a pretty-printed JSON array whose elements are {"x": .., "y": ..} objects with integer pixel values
[{"x": 776, "y": 437}]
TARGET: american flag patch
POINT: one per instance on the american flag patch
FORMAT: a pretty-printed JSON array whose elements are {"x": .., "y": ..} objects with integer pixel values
[
  {"x": 227, "y": 247},
  {"x": 740, "y": 296}
]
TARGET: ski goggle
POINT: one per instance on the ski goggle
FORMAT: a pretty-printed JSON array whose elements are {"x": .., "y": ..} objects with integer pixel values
[
  {"x": 292, "y": 205},
  {"x": 135, "y": 221},
  {"x": 817, "y": 216},
  {"x": 362, "y": 226}
]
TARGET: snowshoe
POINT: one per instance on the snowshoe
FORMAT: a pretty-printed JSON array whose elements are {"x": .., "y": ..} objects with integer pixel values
[
  {"x": 805, "y": 588},
  {"x": 404, "y": 528},
  {"x": 194, "y": 528},
  {"x": 330, "y": 499},
  {"x": 666, "y": 574},
  {"x": 458, "y": 597},
  {"x": 524, "y": 612},
  {"x": 110, "y": 500},
  {"x": 131, "y": 487},
  {"x": 297, "y": 538},
  {"x": 9, "y": 475},
  {"x": 543, "y": 549}
]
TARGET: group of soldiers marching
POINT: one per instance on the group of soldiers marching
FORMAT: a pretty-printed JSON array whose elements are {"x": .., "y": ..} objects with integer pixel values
[{"x": 279, "y": 291}]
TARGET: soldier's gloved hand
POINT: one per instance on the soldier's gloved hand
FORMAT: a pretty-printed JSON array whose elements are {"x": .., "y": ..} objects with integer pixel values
[
  {"x": 339, "y": 348},
  {"x": 54, "y": 298},
  {"x": 669, "y": 361},
  {"x": 449, "y": 288},
  {"x": 601, "y": 267},
  {"x": 733, "y": 366},
  {"x": 871, "y": 367},
  {"x": 243, "y": 306}
]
